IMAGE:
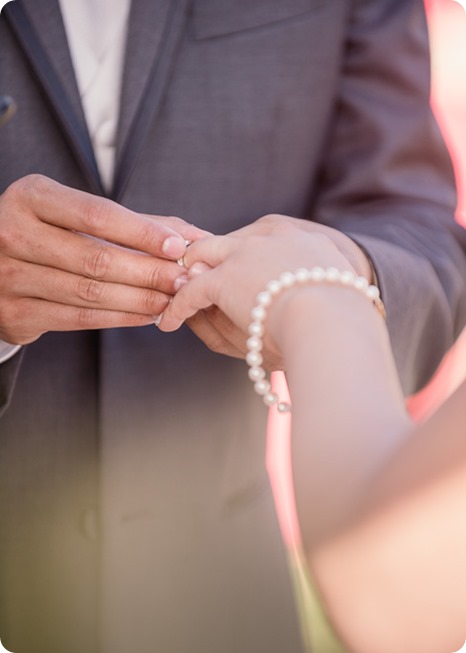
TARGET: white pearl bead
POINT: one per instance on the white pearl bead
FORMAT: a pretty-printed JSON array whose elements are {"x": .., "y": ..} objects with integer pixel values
[
  {"x": 347, "y": 278},
  {"x": 332, "y": 274},
  {"x": 264, "y": 298},
  {"x": 317, "y": 274},
  {"x": 373, "y": 292},
  {"x": 361, "y": 283},
  {"x": 256, "y": 374},
  {"x": 287, "y": 279},
  {"x": 262, "y": 387},
  {"x": 256, "y": 329},
  {"x": 274, "y": 287},
  {"x": 302, "y": 275},
  {"x": 258, "y": 313},
  {"x": 284, "y": 407},
  {"x": 254, "y": 343},
  {"x": 254, "y": 359},
  {"x": 270, "y": 399}
]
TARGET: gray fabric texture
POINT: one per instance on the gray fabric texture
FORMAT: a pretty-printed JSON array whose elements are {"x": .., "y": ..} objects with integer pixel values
[{"x": 135, "y": 509}]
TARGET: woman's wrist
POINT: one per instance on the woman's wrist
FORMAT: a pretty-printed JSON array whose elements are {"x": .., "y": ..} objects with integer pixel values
[
  {"x": 285, "y": 285},
  {"x": 317, "y": 305}
]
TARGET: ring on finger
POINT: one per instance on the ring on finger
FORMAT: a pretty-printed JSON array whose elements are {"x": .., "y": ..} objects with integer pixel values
[{"x": 181, "y": 260}]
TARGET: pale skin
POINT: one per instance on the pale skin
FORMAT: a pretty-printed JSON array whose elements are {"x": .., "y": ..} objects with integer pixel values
[
  {"x": 215, "y": 326},
  {"x": 70, "y": 260},
  {"x": 380, "y": 500}
]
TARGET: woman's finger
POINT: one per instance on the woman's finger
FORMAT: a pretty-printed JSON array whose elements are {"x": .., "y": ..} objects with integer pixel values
[
  {"x": 215, "y": 339},
  {"x": 211, "y": 250},
  {"x": 199, "y": 293}
]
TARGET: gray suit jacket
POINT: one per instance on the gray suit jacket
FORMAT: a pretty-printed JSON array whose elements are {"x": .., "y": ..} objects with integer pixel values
[{"x": 135, "y": 511}]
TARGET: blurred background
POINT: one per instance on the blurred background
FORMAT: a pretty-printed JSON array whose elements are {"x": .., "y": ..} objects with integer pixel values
[{"x": 447, "y": 29}]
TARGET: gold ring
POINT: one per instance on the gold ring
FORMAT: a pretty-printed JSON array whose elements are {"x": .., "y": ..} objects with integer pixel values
[{"x": 181, "y": 260}]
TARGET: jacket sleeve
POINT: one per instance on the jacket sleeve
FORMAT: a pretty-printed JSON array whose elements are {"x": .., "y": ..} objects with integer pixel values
[{"x": 387, "y": 181}]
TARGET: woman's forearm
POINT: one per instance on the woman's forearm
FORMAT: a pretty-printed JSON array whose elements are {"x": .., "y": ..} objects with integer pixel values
[
  {"x": 396, "y": 578},
  {"x": 361, "y": 470},
  {"x": 380, "y": 501},
  {"x": 348, "y": 410}
]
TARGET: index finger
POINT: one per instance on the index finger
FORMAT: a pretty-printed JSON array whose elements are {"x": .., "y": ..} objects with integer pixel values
[
  {"x": 97, "y": 216},
  {"x": 212, "y": 250}
]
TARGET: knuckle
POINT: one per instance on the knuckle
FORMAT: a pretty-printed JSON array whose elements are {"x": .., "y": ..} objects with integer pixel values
[
  {"x": 89, "y": 290},
  {"x": 21, "y": 188},
  {"x": 9, "y": 226},
  {"x": 85, "y": 318},
  {"x": 149, "y": 236},
  {"x": 95, "y": 215},
  {"x": 12, "y": 194},
  {"x": 10, "y": 320},
  {"x": 265, "y": 219},
  {"x": 28, "y": 188},
  {"x": 15, "y": 201},
  {"x": 269, "y": 220},
  {"x": 36, "y": 184},
  {"x": 153, "y": 302},
  {"x": 174, "y": 222},
  {"x": 281, "y": 224},
  {"x": 6, "y": 238},
  {"x": 154, "y": 277},
  {"x": 16, "y": 190},
  {"x": 96, "y": 262},
  {"x": 8, "y": 273}
]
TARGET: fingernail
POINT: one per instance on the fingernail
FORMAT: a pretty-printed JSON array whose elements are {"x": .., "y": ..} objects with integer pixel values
[
  {"x": 197, "y": 269},
  {"x": 174, "y": 247},
  {"x": 180, "y": 282},
  {"x": 157, "y": 319}
]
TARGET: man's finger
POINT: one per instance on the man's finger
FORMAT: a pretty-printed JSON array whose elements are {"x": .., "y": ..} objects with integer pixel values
[
  {"x": 40, "y": 282},
  {"x": 39, "y": 316},
  {"x": 53, "y": 247},
  {"x": 100, "y": 217}
]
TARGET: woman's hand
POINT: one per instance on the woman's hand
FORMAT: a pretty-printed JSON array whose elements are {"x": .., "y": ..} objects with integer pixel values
[{"x": 227, "y": 272}]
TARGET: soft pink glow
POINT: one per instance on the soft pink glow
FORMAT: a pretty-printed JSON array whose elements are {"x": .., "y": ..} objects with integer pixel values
[
  {"x": 279, "y": 465},
  {"x": 447, "y": 26}
]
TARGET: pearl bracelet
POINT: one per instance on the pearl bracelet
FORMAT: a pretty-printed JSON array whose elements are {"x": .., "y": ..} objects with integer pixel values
[{"x": 256, "y": 328}]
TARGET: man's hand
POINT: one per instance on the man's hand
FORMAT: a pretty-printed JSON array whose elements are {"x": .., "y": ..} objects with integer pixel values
[
  {"x": 218, "y": 331},
  {"x": 70, "y": 260}
]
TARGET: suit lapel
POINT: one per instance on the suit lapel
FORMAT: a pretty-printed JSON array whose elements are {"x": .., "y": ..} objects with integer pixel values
[
  {"x": 50, "y": 59},
  {"x": 154, "y": 33}
]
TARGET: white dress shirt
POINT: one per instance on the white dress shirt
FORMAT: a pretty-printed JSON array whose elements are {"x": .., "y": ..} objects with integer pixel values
[{"x": 96, "y": 31}]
